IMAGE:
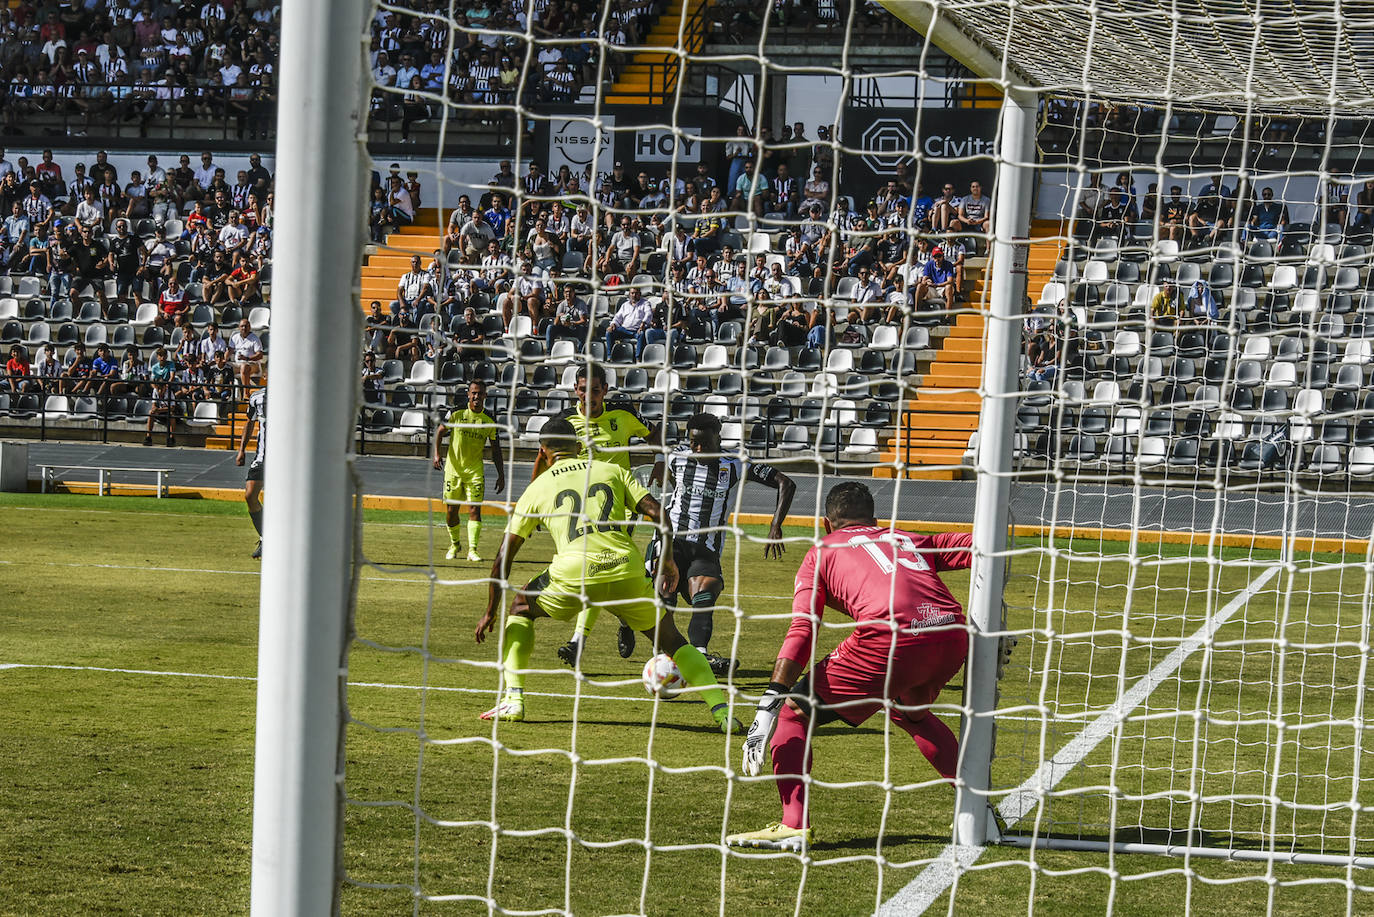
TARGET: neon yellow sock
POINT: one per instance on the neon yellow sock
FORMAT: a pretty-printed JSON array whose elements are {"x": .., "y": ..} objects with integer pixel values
[
  {"x": 585, "y": 619},
  {"x": 474, "y": 533},
  {"x": 453, "y": 533},
  {"x": 519, "y": 634},
  {"x": 696, "y": 671}
]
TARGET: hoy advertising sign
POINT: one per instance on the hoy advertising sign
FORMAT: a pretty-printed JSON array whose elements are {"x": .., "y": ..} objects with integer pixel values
[
  {"x": 954, "y": 145},
  {"x": 577, "y": 144},
  {"x": 658, "y": 145}
]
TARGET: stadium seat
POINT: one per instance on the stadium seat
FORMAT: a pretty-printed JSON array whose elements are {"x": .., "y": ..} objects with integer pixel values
[
  {"x": 748, "y": 409},
  {"x": 635, "y": 381},
  {"x": 1326, "y": 460},
  {"x": 380, "y": 421},
  {"x": 12, "y": 332},
  {"x": 1153, "y": 451},
  {"x": 1361, "y": 462},
  {"x": 1249, "y": 373},
  {"x": 863, "y": 442},
  {"x": 762, "y": 438},
  {"x": 60, "y": 310},
  {"x": 713, "y": 357},
  {"x": 56, "y": 407},
  {"x": 29, "y": 287},
  {"x": 1282, "y": 374},
  {"x": 1285, "y": 278},
  {"x": 681, "y": 407},
  {"x": 839, "y": 360},
  {"x": 413, "y": 423},
  {"x": 90, "y": 313},
  {"x": 206, "y": 414},
  {"x": 666, "y": 380},
  {"x": 729, "y": 384},
  {"x": 84, "y": 409},
  {"x": 795, "y": 438},
  {"x": 717, "y": 405},
  {"x": 9, "y": 308},
  {"x": 421, "y": 373},
  {"x": 1164, "y": 251},
  {"x": 260, "y": 317},
  {"x": 555, "y": 403},
  {"x": 793, "y": 385}
]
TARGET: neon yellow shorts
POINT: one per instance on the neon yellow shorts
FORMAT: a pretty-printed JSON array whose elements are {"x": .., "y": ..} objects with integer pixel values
[
  {"x": 630, "y": 600},
  {"x": 464, "y": 486}
]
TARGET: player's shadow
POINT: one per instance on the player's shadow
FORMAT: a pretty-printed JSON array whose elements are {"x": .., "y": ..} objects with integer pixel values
[
  {"x": 889, "y": 840},
  {"x": 708, "y": 728}
]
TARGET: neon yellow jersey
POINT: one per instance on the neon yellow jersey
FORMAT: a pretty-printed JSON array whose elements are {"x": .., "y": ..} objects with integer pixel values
[
  {"x": 610, "y": 433},
  {"x": 468, "y": 432},
  {"x": 585, "y": 505}
]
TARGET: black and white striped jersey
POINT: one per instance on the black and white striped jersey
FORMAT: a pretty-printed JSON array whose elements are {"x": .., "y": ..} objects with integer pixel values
[
  {"x": 257, "y": 410},
  {"x": 701, "y": 493}
]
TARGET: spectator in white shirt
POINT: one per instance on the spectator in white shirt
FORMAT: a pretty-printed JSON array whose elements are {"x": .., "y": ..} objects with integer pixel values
[
  {"x": 247, "y": 348},
  {"x": 415, "y": 290},
  {"x": 631, "y": 320},
  {"x": 622, "y": 257},
  {"x": 212, "y": 343},
  {"x": 235, "y": 234},
  {"x": 205, "y": 174},
  {"x": 90, "y": 212}
]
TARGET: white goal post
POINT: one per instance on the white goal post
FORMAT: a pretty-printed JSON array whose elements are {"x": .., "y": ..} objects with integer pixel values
[{"x": 306, "y": 589}]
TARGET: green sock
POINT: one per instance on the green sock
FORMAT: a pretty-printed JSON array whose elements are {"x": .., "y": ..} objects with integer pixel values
[
  {"x": 519, "y": 645},
  {"x": 474, "y": 533},
  {"x": 585, "y": 619},
  {"x": 453, "y": 531},
  {"x": 696, "y": 671}
]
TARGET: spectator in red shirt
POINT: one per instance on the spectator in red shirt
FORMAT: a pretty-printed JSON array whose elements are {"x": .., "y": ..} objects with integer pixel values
[
  {"x": 18, "y": 372},
  {"x": 171, "y": 303}
]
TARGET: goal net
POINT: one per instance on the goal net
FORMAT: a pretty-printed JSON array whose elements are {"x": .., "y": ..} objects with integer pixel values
[{"x": 1087, "y": 281}]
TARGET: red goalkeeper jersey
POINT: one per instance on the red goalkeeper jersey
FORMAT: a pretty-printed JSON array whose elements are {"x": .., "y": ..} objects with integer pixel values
[{"x": 886, "y": 581}]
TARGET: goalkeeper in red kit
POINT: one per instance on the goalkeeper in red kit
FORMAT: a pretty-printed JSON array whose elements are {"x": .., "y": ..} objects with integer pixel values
[{"x": 908, "y": 642}]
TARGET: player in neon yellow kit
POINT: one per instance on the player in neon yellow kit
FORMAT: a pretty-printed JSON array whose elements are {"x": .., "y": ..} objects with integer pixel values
[
  {"x": 586, "y": 506},
  {"x": 464, "y": 474},
  {"x": 609, "y": 431}
]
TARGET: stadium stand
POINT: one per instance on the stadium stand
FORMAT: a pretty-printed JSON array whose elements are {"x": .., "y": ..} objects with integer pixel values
[{"x": 803, "y": 317}]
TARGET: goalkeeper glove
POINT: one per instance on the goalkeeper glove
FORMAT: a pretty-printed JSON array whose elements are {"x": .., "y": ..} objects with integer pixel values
[{"x": 761, "y": 730}]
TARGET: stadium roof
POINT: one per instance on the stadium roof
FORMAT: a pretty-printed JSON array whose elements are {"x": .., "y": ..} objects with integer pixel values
[{"x": 1304, "y": 55}]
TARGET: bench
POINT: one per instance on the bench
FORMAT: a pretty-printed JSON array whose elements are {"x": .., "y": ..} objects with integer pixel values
[{"x": 48, "y": 479}]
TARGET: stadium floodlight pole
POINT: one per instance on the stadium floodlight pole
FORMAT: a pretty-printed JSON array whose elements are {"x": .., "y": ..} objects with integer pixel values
[
  {"x": 993, "y": 457},
  {"x": 307, "y": 539}
]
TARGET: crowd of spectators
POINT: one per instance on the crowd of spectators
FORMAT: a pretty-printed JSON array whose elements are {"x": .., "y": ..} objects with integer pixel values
[
  {"x": 528, "y": 248},
  {"x": 116, "y": 61},
  {"x": 486, "y": 62},
  {"x": 178, "y": 238},
  {"x": 1212, "y": 216}
]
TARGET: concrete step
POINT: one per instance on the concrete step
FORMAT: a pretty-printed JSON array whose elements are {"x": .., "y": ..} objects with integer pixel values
[{"x": 933, "y": 421}]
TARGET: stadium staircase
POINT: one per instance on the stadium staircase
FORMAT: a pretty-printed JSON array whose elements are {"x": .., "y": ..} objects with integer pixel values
[
  {"x": 933, "y": 433},
  {"x": 383, "y": 268},
  {"x": 381, "y": 272},
  {"x": 652, "y": 74}
]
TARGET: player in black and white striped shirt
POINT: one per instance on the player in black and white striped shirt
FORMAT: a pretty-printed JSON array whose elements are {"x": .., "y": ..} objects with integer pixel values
[
  {"x": 252, "y": 487},
  {"x": 699, "y": 486}
]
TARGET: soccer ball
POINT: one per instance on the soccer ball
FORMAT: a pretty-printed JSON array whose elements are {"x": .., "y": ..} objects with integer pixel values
[{"x": 661, "y": 677}]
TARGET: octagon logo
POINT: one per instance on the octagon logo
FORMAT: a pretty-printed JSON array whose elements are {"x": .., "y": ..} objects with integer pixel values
[{"x": 887, "y": 142}]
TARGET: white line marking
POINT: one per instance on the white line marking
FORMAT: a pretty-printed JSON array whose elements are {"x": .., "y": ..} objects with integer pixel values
[
  {"x": 955, "y": 859},
  {"x": 479, "y": 580}
]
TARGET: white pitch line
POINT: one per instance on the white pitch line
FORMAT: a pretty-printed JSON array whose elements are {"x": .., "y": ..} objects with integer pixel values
[
  {"x": 385, "y": 578},
  {"x": 922, "y": 891}
]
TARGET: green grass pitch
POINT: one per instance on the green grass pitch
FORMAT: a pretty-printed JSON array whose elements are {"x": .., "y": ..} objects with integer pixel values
[{"x": 126, "y": 757}]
